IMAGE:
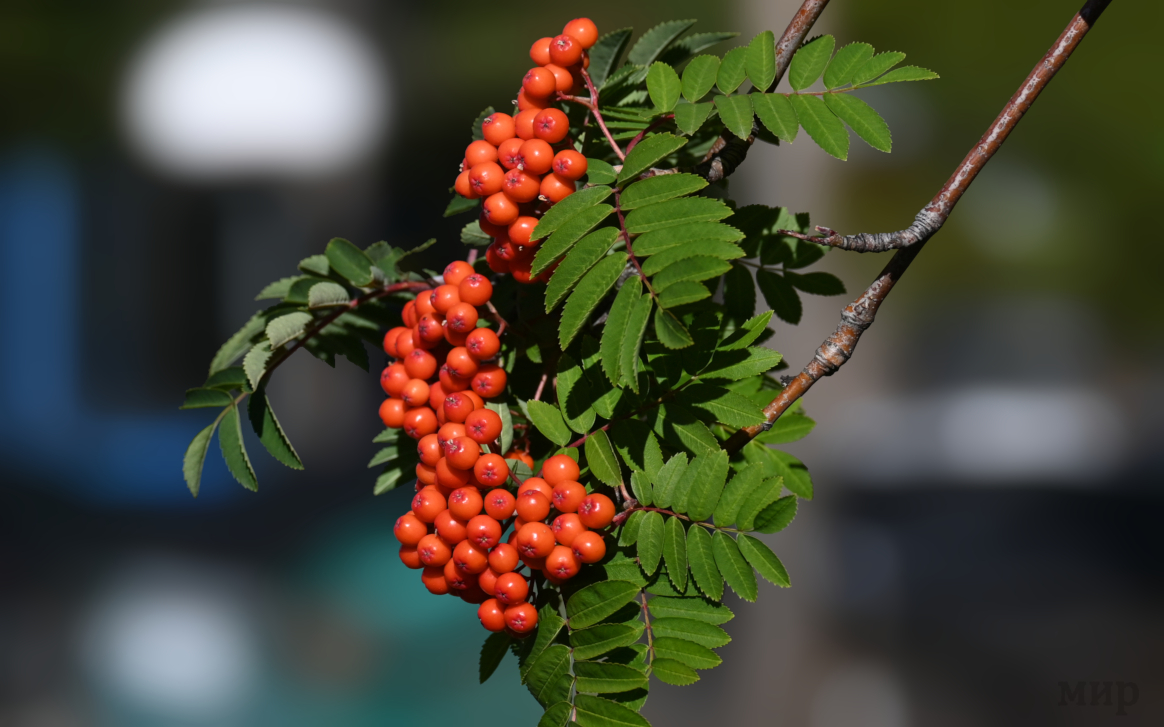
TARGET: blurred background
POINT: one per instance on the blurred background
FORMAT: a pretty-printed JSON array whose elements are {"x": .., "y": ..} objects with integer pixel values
[{"x": 988, "y": 467}]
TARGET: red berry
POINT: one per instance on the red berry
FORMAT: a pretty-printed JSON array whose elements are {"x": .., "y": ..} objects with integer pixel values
[
  {"x": 448, "y": 433},
  {"x": 462, "y": 318},
  {"x": 565, "y": 50},
  {"x": 589, "y": 547},
  {"x": 458, "y": 406},
  {"x": 433, "y": 551},
  {"x": 497, "y": 127},
  {"x": 560, "y": 468},
  {"x": 463, "y": 187},
  {"x": 562, "y": 563},
  {"x": 509, "y": 153},
  {"x": 479, "y": 152},
  {"x": 450, "y": 382},
  {"x": 532, "y": 505},
  {"x": 499, "y": 209},
  {"x": 503, "y": 558},
  {"x": 583, "y": 30},
  {"x": 539, "y": 52},
  {"x": 520, "y": 186},
  {"x": 522, "y": 618},
  {"x": 461, "y": 363},
  {"x": 391, "y": 336},
  {"x": 410, "y": 558},
  {"x": 483, "y": 426},
  {"x": 489, "y": 381},
  {"x": 415, "y": 392},
  {"x": 482, "y": 344},
  {"x": 450, "y": 476},
  {"x": 491, "y": 471},
  {"x": 523, "y": 123},
  {"x": 511, "y": 588},
  {"x": 468, "y": 557},
  {"x": 486, "y": 178},
  {"x": 539, "y": 83},
  {"x": 529, "y": 102},
  {"x": 465, "y": 502},
  {"x": 409, "y": 529},
  {"x": 484, "y": 531},
  {"x": 596, "y": 510},
  {"x": 451, "y": 530},
  {"x": 393, "y": 379},
  {"x": 434, "y": 580},
  {"x": 520, "y": 230},
  {"x": 392, "y": 413},
  {"x": 569, "y": 164},
  {"x": 463, "y": 453},
  {"x": 457, "y": 578},
  {"x": 427, "y": 504},
  {"x": 556, "y": 188},
  {"x": 425, "y": 474},
  {"x": 456, "y": 271},
  {"x": 476, "y": 289},
  {"x": 537, "y": 156},
  {"x": 567, "y": 527},
  {"x": 563, "y": 81},
  {"x": 419, "y": 422},
  {"x": 491, "y": 615},
  {"x": 535, "y": 540},
  {"x": 445, "y": 297},
  {"x": 568, "y": 495},
  {"x": 536, "y": 483}
]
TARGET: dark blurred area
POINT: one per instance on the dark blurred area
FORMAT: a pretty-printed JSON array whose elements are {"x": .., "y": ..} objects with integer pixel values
[{"x": 987, "y": 468}]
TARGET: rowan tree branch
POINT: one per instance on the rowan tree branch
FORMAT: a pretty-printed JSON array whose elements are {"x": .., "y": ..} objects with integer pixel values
[
  {"x": 729, "y": 150},
  {"x": 858, "y": 315}
]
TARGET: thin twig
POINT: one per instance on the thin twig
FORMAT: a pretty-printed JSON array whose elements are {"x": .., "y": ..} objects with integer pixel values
[
  {"x": 541, "y": 385},
  {"x": 598, "y": 116},
  {"x": 654, "y": 125},
  {"x": 858, "y": 315}
]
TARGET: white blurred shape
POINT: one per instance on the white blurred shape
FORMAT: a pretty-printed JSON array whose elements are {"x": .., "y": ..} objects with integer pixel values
[
  {"x": 1017, "y": 433},
  {"x": 859, "y": 695},
  {"x": 255, "y": 91},
  {"x": 172, "y": 639}
]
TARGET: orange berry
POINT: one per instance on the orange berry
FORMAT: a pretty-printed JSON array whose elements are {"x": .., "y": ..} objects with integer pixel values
[
  {"x": 476, "y": 289},
  {"x": 409, "y": 316},
  {"x": 462, "y": 453},
  {"x": 535, "y": 540},
  {"x": 497, "y": 127},
  {"x": 511, "y": 588},
  {"x": 539, "y": 83},
  {"x": 537, "y": 156},
  {"x": 425, "y": 474},
  {"x": 409, "y": 529},
  {"x": 480, "y": 152},
  {"x": 491, "y": 615},
  {"x": 489, "y": 381},
  {"x": 429, "y": 449},
  {"x": 415, "y": 392},
  {"x": 486, "y": 178},
  {"x": 562, "y": 563},
  {"x": 474, "y": 594},
  {"x": 456, "y": 271},
  {"x": 539, "y": 52},
  {"x": 458, "y": 407},
  {"x": 487, "y": 579},
  {"x": 532, "y": 505},
  {"x": 488, "y": 227},
  {"x": 410, "y": 558},
  {"x": 529, "y": 102},
  {"x": 490, "y": 471},
  {"x": 556, "y": 188},
  {"x": 484, "y": 531},
  {"x": 560, "y": 468},
  {"x": 583, "y": 30},
  {"x": 596, "y": 510},
  {"x": 523, "y": 122},
  {"x": 392, "y": 413},
  {"x": 390, "y": 339},
  {"x": 465, "y": 502},
  {"x": 433, "y": 551},
  {"x": 434, "y": 580},
  {"x": 444, "y": 298},
  {"x": 463, "y": 187},
  {"x": 567, "y": 527},
  {"x": 455, "y": 338},
  {"x": 536, "y": 483},
  {"x": 450, "y": 382},
  {"x": 423, "y": 305},
  {"x": 520, "y": 229},
  {"x": 509, "y": 153},
  {"x": 451, "y": 530},
  {"x": 500, "y": 210},
  {"x": 469, "y": 558},
  {"x": 420, "y": 364},
  {"x": 569, "y": 164},
  {"x": 565, "y": 50},
  {"x": 478, "y": 402},
  {"x": 503, "y": 558},
  {"x": 483, "y": 426},
  {"x": 428, "y": 503},
  {"x": 448, "y": 432},
  {"x": 482, "y": 344},
  {"x": 429, "y": 329},
  {"x": 450, "y": 476},
  {"x": 393, "y": 379},
  {"x": 461, "y": 363},
  {"x": 458, "y": 578},
  {"x": 436, "y": 397},
  {"x": 522, "y": 618},
  {"x": 589, "y": 547},
  {"x": 419, "y": 422},
  {"x": 563, "y": 81},
  {"x": 568, "y": 496},
  {"x": 521, "y": 186}
]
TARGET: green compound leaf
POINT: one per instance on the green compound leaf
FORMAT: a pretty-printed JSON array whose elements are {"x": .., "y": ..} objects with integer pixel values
[
  {"x": 862, "y": 119},
  {"x": 693, "y": 655},
  {"x": 670, "y": 331},
  {"x": 747, "y": 333},
  {"x": 603, "y": 678},
  {"x": 557, "y": 715},
  {"x": 270, "y": 432},
  {"x": 699, "y": 632},
  {"x": 196, "y": 457},
  {"x": 739, "y": 293},
  {"x": 601, "y": 459},
  {"x": 605, "y": 53},
  {"x": 777, "y": 516},
  {"x": 664, "y": 86},
  {"x": 709, "y": 472},
  {"x": 668, "y": 479},
  {"x": 228, "y": 379},
  {"x": 653, "y": 42},
  {"x": 761, "y": 60},
  {"x": 756, "y": 499},
  {"x": 875, "y": 66},
  {"x": 234, "y": 452},
  {"x": 629, "y": 534},
  {"x": 680, "y": 427},
  {"x": 788, "y": 428},
  {"x": 696, "y": 608},
  {"x": 568, "y": 208},
  {"x": 569, "y": 233},
  {"x": 699, "y": 77},
  {"x": 599, "y": 712},
  {"x": 545, "y": 677},
  {"x": 502, "y": 410},
  {"x": 637, "y": 446},
  {"x": 588, "y": 294},
  {"x": 646, "y": 153},
  {"x": 597, "y": 640},
  {"x": 549, "y": 625},
  {"x": 206, "y": 399},
  {"x": 732, "y": 70},
  {"x": 675, "y": 552},
  {"x": 613, "y": 332},
  {"x": 702, "y": 561},
  {"x": 675, "y": 213},
  {"x": 670, "y": 671},
  {"x": 795, "y": 474},
  {"x": 776, "y": 113},
  {"x": 492, "y": 652},
  {"x": 477, "y": 131},
  {"x": 650, "y": 542},
  {"x": 548, "y": 419},
  {"x": 709, "y": 248},
  {"x": 780, "y": 295},
  {"x": 761, "y": 557},
  {"x": 699, "y": 267},
  {"x": 280, "y": 288},
  {"x": 326, "y": 295},
  {"x": 683, "y": 294},
  {"x": 598, "y": 171},
  {"x": 689, "y": 117},
  {"x": 726, "y": 406},
  {"x": 734, "y": 568},
  {"x": 738, "y": 364},
  {"x": 692, "y": 234},
  {"x": 573, "y": 393},
  {"x": 816, "y": 283},
  {"x": 846, "y": 63},
  {"x": 659, "y": 189},
  {"x": 685, "y": 48},
  {"x": 315, "y": 265},
  {"x": 641, "y": 489},
  {"x": 349, "y": 261},
  {"x": 810, "y": 61},
  {"x": 905, "y": 73},
  {"x": 285, "y": 329},
  {"x": 458, "y": 205},
  {"x": 736, "y": 114},
  {"x": 595, "y": 602},
  {"x": 822, "y": 125},
  {"x": 636, "y": 328}
]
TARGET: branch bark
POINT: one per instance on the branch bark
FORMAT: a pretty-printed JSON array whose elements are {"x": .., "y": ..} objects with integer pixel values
[
  {"x": 729, "y": 150},
  {"x": 859, "y": 315}
]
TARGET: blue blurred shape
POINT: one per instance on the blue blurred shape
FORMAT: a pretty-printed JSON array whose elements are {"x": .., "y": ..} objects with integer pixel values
[{"x": 47, "y": 433}]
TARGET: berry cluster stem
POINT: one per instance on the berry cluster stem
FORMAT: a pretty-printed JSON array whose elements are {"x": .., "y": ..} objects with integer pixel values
[{"x": 592, "y": 104}]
